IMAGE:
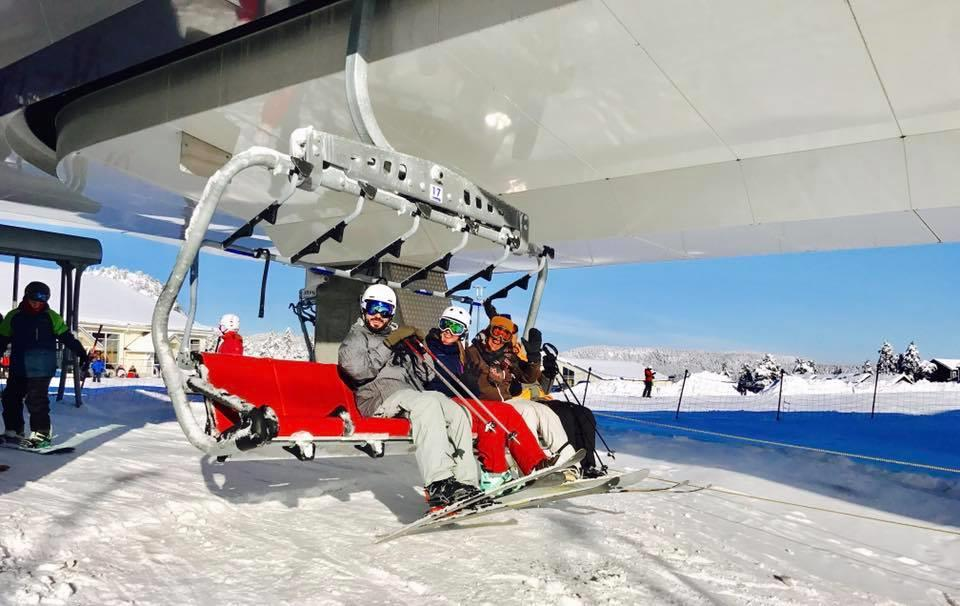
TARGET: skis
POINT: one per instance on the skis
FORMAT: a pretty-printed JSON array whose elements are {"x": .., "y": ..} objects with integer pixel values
[
  {"x": 534, "y": 496},
  {"x": 53, "y": 449},
  {"x": 492, "y": 493}
]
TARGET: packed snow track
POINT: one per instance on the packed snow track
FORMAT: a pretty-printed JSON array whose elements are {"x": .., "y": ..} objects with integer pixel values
[{"x": 136, "y": 516}]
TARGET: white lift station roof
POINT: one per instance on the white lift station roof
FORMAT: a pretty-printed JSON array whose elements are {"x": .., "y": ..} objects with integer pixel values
[{"x": 629, "y": 130}]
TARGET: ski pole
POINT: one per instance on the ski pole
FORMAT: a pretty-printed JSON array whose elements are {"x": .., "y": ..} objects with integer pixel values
[
  {"x": 563, "y": 385},
  {"x": 466, "y": 394},
  {"x": 93, "y": 348},
  {"x": 489, "y": 425}
]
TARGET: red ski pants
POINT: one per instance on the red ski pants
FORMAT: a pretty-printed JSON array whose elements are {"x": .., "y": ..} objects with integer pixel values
[{"x": 491, "y": 445}]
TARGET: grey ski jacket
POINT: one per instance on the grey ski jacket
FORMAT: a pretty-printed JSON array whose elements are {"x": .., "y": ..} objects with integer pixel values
[{"x": 373, "y": 371}]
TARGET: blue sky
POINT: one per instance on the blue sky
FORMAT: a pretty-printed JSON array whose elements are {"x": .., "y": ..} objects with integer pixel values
[{"x": 836, "y": 306}]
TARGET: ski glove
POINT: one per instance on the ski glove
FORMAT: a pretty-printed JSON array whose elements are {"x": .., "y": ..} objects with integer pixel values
[
  {"x": 550, "y": 366},
  {"x": 532, "y": 345},
  {"x": 401, "y": 334}
]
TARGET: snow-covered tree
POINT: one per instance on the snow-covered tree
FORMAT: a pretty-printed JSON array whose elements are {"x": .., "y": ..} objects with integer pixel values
[
  {"x": 867, "y": 367},
  {"x": 927, "y": 368},
  {"x": 838, "y": 370},
  {"x": 767, "y": 368},
  {"x": 804, "y": 367},
  {"x": 909, "y": 362},
  {"x": 887, "y": 362}
]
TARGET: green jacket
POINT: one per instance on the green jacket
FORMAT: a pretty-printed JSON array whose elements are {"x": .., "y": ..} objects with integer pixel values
[{"x": 33, "y": 337}]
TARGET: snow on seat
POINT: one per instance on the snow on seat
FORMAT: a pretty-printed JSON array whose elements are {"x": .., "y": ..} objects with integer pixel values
[{"x": 305, "y": 396}]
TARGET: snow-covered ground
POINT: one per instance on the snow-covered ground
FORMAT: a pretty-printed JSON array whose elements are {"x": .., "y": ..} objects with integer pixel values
[{"x": 136, "y": 516}]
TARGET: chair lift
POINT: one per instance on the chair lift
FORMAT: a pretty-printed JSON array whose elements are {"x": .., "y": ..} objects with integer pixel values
[{"x": 247, "y": 404}]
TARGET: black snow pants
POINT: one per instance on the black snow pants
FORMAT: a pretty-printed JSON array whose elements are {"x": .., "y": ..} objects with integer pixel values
[
  {"x": 34, "y": 389},
  {"x": 580, "y": 425},
  {"x": 647, "y": 389}
]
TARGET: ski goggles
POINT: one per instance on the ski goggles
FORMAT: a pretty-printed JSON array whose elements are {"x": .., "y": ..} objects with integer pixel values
[
  {"x": 500, "y": 334},
  {"x": 40, "y": 296},
  {"x": 452, "y": 326},
  {"x": 372, "y": 308}
]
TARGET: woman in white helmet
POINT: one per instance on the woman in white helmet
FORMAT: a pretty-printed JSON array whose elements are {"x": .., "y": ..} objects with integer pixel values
[
  {"x": 230, "y": 340},
  {"x": 387, "y": 383},
  {"x": 446, "y": 342}
]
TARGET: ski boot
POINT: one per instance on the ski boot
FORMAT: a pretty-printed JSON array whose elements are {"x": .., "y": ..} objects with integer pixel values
[
  {"x": 590, "y": 473},
  {"x": 490, "y": 480},
  {"x": 444, "y": 493},
  {"x": 37, "y": 440}
]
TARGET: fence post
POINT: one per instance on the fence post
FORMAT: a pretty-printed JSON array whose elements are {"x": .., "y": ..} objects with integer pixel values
[
  {"x": 587, "y": 386},
  {"x": 686, "y": 373},
  {"x": 876, "y": 380},
  {"x": 780, "y": 397}
]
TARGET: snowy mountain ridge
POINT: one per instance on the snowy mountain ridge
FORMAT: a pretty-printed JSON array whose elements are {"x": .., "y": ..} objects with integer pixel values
[
  {"x": 137, "y": 280},
  {"x": 674, "y": 361}
]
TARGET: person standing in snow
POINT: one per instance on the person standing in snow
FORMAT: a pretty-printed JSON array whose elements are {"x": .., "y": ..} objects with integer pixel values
[
  {"x": 32, "y": 330},
  {"x": 97, "y": 367},
  {"x": 648, "y": 376},
  {"x": 446, "y": 343},
  {"x": 230, "y": 340},
  {"x": 388, "y": 382}
]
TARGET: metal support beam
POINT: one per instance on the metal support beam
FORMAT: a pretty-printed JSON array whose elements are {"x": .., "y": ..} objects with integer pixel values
[
  {"x": 534, "y": 309},
  {"x": 358, "y": 91}
]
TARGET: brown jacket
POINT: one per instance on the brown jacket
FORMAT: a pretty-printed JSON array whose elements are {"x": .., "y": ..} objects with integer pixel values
[{"x": 497, "y": 375}]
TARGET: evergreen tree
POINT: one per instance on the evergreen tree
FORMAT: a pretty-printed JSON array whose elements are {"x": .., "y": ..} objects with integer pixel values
[
  {"x": 804, "y": 367},
  {"x": 909, "y": 362},
  {"x": 867, "y": 367},
  {"x": 767, "y": 371},
  {"x": 887, "y": 362},
  {"x": 837, "y": 370}
]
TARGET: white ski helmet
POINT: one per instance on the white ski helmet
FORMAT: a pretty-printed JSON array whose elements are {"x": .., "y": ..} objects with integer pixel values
[
  {"x": 229, "y": 322},
  {"x": 378, "y": 292},
  {"x": 459, "y": 314}
]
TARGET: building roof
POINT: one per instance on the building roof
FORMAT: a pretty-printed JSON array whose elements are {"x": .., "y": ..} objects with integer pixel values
[
  {"x": 948, "y": 362},
  {"x": 103, "y": 300}
]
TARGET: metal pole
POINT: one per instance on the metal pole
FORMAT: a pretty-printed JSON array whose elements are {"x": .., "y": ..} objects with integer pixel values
[
  {"x": 537, "y": 296},
  {"x": 876, "y": 381},
  {"x": 587, "y": 386},
  {"x": 65, "y": 294},
  {"x": 682, "y": 387},
  {"x": 780, "y": 397},
  {"x": 16, "y": 280},
  {"x": 183, "y": 353},
  {"x": 75, "y": 328},
  {"x": 63, "y": 287},
  {"x": 358, "y": 93}
]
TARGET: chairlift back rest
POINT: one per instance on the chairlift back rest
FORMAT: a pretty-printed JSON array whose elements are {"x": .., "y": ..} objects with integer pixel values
[{"x": 304, "y": 395}]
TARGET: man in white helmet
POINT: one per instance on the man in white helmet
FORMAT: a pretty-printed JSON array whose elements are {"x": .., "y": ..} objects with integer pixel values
[
  {"x": 388, "y": 383},
  {"x": 230, "y": 340}
]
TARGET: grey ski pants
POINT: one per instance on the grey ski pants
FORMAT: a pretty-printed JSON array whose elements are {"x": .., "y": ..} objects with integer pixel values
[
  {"x": 442, "y": 433},
  {"x": 544, "y": 423}
]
